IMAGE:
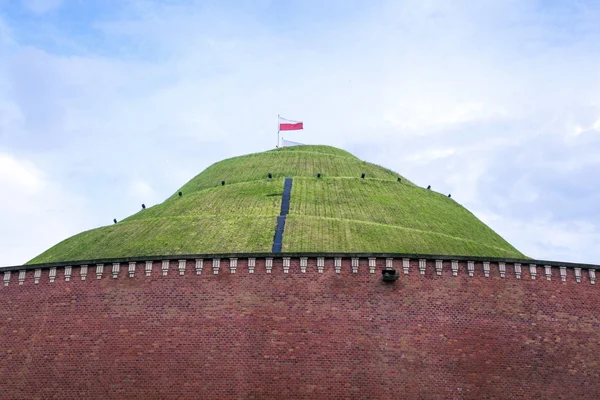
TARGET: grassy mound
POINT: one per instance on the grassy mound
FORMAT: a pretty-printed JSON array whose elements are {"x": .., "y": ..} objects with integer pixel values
[{"x": 338, "y": 212}]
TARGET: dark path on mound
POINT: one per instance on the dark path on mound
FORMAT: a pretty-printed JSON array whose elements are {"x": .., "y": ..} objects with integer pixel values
[{"x": 285, "y": 209}]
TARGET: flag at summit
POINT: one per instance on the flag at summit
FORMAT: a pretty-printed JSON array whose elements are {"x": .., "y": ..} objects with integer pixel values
[{"x": 289, "y": 125}]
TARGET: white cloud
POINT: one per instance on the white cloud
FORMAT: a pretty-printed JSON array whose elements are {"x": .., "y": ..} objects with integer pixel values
[
  {"x": 22, "y": 176},
  {"x": 36, "y": 211},
  {"x": 543, "y": 238}
]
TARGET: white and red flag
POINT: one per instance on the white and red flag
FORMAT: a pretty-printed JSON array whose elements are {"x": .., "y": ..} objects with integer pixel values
[{"x": 289, "y": 125}]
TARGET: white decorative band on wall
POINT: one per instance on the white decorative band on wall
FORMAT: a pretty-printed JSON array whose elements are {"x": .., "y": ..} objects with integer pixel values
[
  {"x": 405, "y": 265},
  {"x": 486, "y": 269},
  {"x": 99, "y": 271},
  {"x": 489, "y": 268},
  {"x": 303, "y": 264},
  {"x": 389, "y": 263},
  {"x": 455, "y": 267},
  {"x": 438, "y": 267},
  {"x": 471, "y": 267},
  {"x": 517, "y": 270},
  {"x": 269, "y": 264},
  {"x": 115, "y": 270},
  {"x": 372, "y": 264},
  {"x": 355, "y": 261},
  {"x": 532, "y": 271},
  {"x": 37, "y": 275},
  {"x": 148, "y": 268},
  {"x": 320, "y": 264},
  {"x": 337, "y": 264},
  {"x": 422, "y": 266},
  {"x": 286, "y": 265}
]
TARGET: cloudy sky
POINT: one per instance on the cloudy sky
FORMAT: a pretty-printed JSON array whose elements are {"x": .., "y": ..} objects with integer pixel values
[{"x": 108, "y": 104}]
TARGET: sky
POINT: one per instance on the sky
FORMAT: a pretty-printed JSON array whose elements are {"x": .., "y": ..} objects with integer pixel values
[{"x": 105, "y": 105}]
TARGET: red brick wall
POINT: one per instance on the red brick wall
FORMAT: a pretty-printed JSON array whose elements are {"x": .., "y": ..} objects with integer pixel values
[{"x": 300, "y": 335}]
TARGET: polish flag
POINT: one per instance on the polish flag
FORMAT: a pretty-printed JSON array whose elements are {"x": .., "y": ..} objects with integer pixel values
[{"x": 289, "y": 125}]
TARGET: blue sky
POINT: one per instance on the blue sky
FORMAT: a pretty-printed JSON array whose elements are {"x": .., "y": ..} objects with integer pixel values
[{"x": 107, "y": 105}]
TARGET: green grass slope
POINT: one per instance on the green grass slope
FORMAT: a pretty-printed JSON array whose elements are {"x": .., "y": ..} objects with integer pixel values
[{"x": 339, "y": 212}]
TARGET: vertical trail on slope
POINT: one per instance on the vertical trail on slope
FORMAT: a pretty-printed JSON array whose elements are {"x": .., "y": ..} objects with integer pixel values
[{"x": 285, "y": 208}]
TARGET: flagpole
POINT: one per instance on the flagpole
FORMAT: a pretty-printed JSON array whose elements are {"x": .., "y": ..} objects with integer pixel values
[{"x": 277, "y": 131}]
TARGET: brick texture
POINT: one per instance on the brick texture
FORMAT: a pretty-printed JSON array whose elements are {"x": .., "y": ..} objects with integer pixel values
[{"x": 302, "y": 336}]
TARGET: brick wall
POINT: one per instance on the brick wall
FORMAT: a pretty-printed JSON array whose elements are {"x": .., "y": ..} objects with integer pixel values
[{"x": 300, "y": 335}]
